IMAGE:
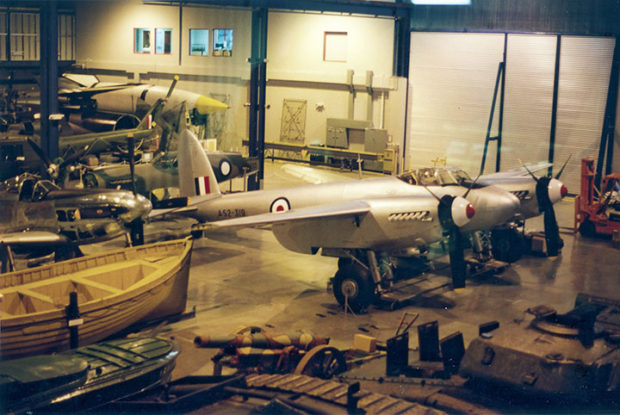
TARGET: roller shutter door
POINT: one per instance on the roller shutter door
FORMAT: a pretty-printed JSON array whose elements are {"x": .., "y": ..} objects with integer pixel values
[
  {"x": 452, "y": 77},
  {"x": 585, "y": 66}
]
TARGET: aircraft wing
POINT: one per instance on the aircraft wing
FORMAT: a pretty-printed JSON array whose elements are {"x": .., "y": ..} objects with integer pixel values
[
  {"x": 518, "y": 172},
  {"x": 189, "y": 206},
  {"x": 30, "y": 238},
  {"x": 344, "y": 209}
]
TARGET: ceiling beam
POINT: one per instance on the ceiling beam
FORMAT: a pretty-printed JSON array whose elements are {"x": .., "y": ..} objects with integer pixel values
[{"x": 373, "y": 8}]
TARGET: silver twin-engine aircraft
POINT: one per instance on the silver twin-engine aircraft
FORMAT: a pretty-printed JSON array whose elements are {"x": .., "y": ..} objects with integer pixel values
[{"x": 357, "y": 221}]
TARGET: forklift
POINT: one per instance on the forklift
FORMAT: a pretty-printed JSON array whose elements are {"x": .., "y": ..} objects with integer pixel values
[{"x": 597, "y": 214}]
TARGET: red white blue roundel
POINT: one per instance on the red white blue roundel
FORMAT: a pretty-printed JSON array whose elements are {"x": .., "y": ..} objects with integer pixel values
[{"x": 281, "y": 204}]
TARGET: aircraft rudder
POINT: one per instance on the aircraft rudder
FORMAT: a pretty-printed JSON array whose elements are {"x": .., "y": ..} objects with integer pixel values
[{"x": 196, "y": 175}]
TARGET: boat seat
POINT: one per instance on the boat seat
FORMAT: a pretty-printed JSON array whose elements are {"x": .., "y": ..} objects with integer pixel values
[
  {"x": 94, "y": 284},
  {"x": 38, "y": 296}
]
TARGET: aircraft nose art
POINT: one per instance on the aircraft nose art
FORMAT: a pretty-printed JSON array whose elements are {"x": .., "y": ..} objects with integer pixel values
[{"x": 557, "y": 190}]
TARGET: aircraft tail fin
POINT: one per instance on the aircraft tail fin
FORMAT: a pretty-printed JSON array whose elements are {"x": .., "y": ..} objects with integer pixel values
[{"x": 196, "y": 176}]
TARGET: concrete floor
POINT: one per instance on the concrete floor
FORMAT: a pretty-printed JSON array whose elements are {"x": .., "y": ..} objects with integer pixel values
[{"x": 246, "y": 278}]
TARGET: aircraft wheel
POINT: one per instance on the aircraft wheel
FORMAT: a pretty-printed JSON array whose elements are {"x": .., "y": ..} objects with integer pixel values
[
  {"x": 587, "y": 228},
  {"x": 507, "y": 244},
  {"x": 322, "y": 361},
  {"x": 353, "y": 286}
]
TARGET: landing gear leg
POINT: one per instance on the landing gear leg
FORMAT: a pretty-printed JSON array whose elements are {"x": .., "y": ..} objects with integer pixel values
[{"x": 359, "y": 280}]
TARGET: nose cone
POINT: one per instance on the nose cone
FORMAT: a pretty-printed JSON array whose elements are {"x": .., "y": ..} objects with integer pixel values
[
  {"x": 494, "y": 206},
  {"x": 462, "y": 211},
  {"x": 557, "y": 190},
  {"x": 206, "y": 105},
  {"x": 137, "y": 206}
]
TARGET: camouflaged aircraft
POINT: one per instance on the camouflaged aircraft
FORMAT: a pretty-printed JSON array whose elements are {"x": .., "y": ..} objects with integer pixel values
[
  {"x": 360, "y": 221},
  {"x": 36, "y": 213}
]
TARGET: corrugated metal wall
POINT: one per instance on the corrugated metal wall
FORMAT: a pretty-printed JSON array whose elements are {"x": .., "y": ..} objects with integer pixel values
[
  {"x": 583, "y": 17},
  {"x": 585, "y": 65},
  {"x": 452, "y": 76}
]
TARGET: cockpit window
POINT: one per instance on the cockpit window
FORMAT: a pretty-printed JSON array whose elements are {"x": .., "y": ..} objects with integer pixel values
[{"x": 42, "y": 188}]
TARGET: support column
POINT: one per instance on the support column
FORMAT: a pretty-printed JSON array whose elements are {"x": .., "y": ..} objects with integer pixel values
[
  {"x": 258, "y": 86},
  {"x": 606, "y": 150},
  {"x": 49, "y": 77}
]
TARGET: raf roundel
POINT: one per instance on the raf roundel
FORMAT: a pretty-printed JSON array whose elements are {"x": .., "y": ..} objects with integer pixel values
[
  {"x": 225, "y": 168},
  {"x": 281, "y": 204}
]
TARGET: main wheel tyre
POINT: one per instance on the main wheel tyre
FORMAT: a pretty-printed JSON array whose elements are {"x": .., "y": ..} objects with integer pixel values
[
  {"x": 507, "y": 244},
  {"x": 353, "y": 287},
  {"x": 587, "y": 228}
]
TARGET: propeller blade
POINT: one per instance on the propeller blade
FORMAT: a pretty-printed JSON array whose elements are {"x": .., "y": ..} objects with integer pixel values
[
  {"x": 552, "y": 232},
  {"x": 529, "y": 171},
  {"x": 46, "y": 161},
  {"x": 132, "y": 162},
  {"x": 181, "y": 124},
  {"x": 472, "y": 185},
  {"x": 457, "y": 258},
  {"x": 557, "y": 176},
  {"x": 172, "y": 86},
  {"x": 431, "y": 192}
]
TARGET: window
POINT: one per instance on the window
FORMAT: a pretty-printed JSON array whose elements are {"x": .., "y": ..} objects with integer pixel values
[
  {"x": 335, "y": 47},
  {"x": 199, "y": 42},
  {"x": 142, "y": 40},
  {"x": 163, "y": 41},
  {"x": 222, "y": 42}
]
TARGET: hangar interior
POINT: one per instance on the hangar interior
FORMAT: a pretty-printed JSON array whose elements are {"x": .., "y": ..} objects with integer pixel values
[{"x": 317, "y": 90}]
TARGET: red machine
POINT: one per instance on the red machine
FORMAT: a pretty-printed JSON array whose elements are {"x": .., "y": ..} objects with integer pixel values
[{"x": 597, "y": 214}]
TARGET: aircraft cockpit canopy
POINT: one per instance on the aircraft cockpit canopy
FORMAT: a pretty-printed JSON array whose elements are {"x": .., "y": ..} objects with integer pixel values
[
  {"x": 436, "y": 176},
  {"x": 29, "y": 187}
]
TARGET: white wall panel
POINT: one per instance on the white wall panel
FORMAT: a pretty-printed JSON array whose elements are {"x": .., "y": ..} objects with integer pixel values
[
  {"x": 452, "y": 77},
  {"x": 530, "y": 68},
  {"x": 585, "y": 66}
]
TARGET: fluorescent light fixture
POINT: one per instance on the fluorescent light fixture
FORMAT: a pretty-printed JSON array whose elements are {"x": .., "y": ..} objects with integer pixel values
[{"x": 441, "y": 2}]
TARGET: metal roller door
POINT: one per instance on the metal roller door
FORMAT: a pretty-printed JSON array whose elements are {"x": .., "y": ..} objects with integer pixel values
[
  {"x": 585, "y": 66},
  {"x": 452, "y": 78}
]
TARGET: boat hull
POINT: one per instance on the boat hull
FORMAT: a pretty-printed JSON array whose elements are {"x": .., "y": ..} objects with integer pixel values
[{"x": 114, "y": 291}]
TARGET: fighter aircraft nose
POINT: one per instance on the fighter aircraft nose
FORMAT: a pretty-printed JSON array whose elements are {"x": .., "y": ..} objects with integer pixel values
[
  {"x": 557, "y": 190},
  {"x": 144, "y": 205},
  {"x": 206, "y": 105}
]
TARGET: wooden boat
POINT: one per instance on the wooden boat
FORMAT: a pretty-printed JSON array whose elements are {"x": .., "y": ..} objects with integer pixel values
[{"x": 114, "y": 290}]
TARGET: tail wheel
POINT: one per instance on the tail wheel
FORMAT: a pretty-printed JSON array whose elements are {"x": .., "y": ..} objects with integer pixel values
[{"x": 353, "y": 287}]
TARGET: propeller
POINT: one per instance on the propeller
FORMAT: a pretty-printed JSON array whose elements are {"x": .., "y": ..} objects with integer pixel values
[
  {"x": 137, "y": 225},
  {"x": 548, "y": 191},
  {"x": 50, "y": 168},
  {"x": 454, "y": 212}
]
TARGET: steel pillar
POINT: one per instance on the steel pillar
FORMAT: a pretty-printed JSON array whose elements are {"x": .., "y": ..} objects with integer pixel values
[
  {"x": 49, "y": 77},
  {"x": 258, "y": 86},
  {"x": 606, "y": 150}
]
